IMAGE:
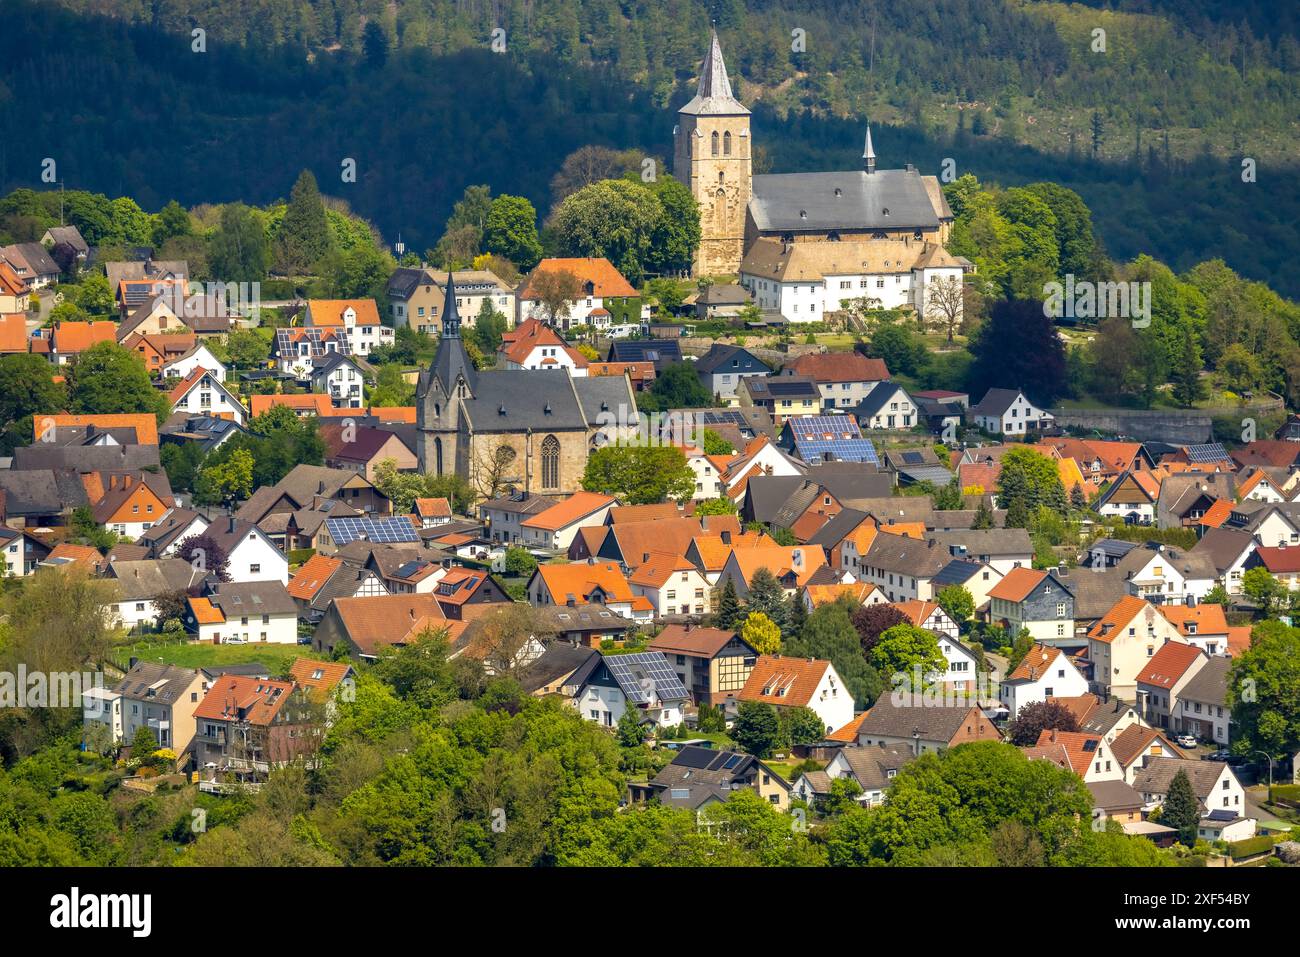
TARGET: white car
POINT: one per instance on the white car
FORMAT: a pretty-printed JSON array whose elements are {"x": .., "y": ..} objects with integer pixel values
[{"x": 1186, "y": 741}]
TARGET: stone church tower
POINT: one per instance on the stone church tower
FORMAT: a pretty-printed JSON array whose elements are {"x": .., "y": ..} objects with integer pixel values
[
  {"x": 712, "y": 156},
  {"x": 442, "y": 389}
]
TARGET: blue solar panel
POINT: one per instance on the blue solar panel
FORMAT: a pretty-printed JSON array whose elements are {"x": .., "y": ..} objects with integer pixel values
[
  {"x": 646, "y": 675},
  {"x": 831, "y": 438},
  {"x": 382, "y": 530},
  {"x": 1213, "y": 452}
]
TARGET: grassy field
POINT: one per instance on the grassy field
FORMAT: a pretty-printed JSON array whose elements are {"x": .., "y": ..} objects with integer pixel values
[{"x": 194, "y": 655}]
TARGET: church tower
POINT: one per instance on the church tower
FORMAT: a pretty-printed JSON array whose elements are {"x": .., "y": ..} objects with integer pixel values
[
  {"x": 451, "y": 378},
  {"x": 712, "y": 157}
]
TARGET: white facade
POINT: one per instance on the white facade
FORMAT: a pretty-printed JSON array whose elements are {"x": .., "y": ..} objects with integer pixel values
[
  {"x": 131, "y": 612},
  {"x": 832, "y": 702},
  {"x": 708, "y": 480},
  {"x": 551, "y": 357},
  {"x": 256, "y": 559},
  {"x": 208, "y": 396},
  {"x": 605, "y": 706},
  {"x": 1160, "y": 582},
  {"x": 1060, "y": 679},
  {"x": 279, "y": 629},
  {"x": 344, "y": 384},
  {"x": 1012, "y": 421},
  {"x": 200, "y": 357},
  {"x": 809, "y": 300},
  {"x": 898, "y": 411},
  {"x": 686, "y": 592}
]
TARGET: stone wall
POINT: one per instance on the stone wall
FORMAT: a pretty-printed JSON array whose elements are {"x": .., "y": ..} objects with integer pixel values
[{"x": 1145, "y": 425}]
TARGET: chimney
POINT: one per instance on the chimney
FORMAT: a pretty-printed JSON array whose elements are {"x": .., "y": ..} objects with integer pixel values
[
  {"x": 1053, "y": 736},
  {"x": 1062, "y": 569},
  {"x": 132, "y": 662},
  {"x": 232, "y": 524}
]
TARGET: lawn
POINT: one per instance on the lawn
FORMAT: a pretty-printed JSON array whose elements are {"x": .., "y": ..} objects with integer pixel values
[{"x": 195, "y": 655}]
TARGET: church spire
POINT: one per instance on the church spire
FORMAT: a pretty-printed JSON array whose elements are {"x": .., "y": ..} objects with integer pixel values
[
  {"x": 450, "y": 314},
  {"x": 869, "y": 153},
  {"x": 713, "y": 95},
  {"x": 452, "y": 363},
  {"x": 713, "y": 75}
]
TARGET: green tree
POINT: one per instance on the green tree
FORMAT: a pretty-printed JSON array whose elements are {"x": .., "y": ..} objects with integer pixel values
[
  {"x": 107, "y": 378},
  {"x": 1182, "y": 809},
  {"x": 511, "y": 231},
  {"x": 678, "y": 386},
  {"x": 757, "y": 729},
  {"x": 520, "y": 562},
  {"x": 714, "y": 444},
  {"x": 903, "y": 649},
  {"x": 27, "y": 389},
  {"x": 1028, "y": 724},
  {"x": 612, "y": 219},
  {"x": 238, "y": 249},
  {"x": 246, "y": 349},
  {"x": 489, "y": 327},
  {"x": 716, "y": 506},
  {"x": 957, "y": 603},
  {"x": 1188, "y": 389},
  {"x": 1263, "y": 589},
  {"x": 630, "y": 734},
  {"x": 173, "y": 220},
  {"x": 829, "y": 635},
  {"x": 304, "y": 236},
  {"x": 226, "y": 481},
  {"x": 726, "y": 612},
  {"x": 1029, "y": 480},
  {"x": 638, "y": 475},
  {"x": 1262, "y": 692}
]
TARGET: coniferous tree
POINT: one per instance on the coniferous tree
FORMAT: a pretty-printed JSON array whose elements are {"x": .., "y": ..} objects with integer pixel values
[
  {"x": 1188, "y": 388},
  {"x": 767, "y": 595},
  {"x": 728, "y": 610},
  {"x": 796, "y": 616},
  {"x": 983, "y": 516},
  {"x": 1182, "y": 809},
  {"x": 304, "y": 232}
]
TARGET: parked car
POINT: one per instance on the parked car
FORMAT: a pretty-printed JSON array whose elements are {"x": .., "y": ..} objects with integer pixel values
[
  {"x": 1223, "y": 754},
  {"x": 1186, "y": 740}
]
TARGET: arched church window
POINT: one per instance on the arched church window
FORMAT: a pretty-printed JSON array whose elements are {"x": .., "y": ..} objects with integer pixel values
[
  {"x": 726, "y": 143},
  {"x": 715, "y": 142},
  {"x": 550, "y": 462},
  {"x": 437, "y": 455}
]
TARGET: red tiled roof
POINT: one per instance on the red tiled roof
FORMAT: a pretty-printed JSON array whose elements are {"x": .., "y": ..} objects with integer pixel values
[
  {"x": 1168, "y": 664},
  {"x": 839, "y": 367},
  {"x": 788, "y": 682}
]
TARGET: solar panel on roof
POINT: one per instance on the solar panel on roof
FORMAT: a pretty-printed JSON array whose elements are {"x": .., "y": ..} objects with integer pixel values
[
  {"x": 645, "y": 675},
  {"x": 1211, "y": 452},
  {"x": 821, "y": 438},
  {"x": 382, "y": 530}
]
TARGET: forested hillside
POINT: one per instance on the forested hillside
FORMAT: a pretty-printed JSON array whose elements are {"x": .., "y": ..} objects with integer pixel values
[{"x": 411, "y": 92}]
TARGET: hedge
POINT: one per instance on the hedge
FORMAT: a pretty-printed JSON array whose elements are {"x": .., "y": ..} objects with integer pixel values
[
  {"x": 1284, "y": 792},
  {"x": 1251, "y": 846}
]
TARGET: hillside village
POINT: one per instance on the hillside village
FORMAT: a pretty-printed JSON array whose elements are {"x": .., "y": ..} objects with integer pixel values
[{"x": 725, "y": 529}]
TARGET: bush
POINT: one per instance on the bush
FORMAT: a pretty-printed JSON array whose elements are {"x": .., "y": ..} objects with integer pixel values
[
  {"x": 300, "y": 555},
  {"x": 1284, "y": 792}
]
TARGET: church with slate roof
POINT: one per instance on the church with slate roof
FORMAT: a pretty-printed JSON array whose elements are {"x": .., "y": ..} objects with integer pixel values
[
  {"x": 527, "y": 429},
  {"x": 713, "y": 156}
]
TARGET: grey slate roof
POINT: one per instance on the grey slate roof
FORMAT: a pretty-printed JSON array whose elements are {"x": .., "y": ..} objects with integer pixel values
[
  {"x": 86, "y": 458},
  {"x": 870, "y": 765},
  {"x": 1210, "y": 684},
  {"x": 994, "y": 542},
  {"x": 35, "y": 492},
  {"x": 156, "y": 682},
  {"x": 252, "y": 598},
  {"x": 720, "y": 357},
  {"x": 995, "y": 402},
  {"x": 885, "y": 199},
  {"x": 153, "y": 578},
  {"x": 885, "y": 719},
  {"x": 1222, "y": 546},
  {"x": 558, "y": 660},
  {"x": 1156, "y": 775},
  {"x": 1114, "y": 795},
  {"x": 906, "y": 556}
]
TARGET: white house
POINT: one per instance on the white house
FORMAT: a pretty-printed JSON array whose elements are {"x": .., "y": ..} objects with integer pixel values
[
  {"x": 140, "y": 583},
  {"x": 340, "y": 377},
  {"x": 1167, "y": 575},
  {"x": 607, "y": 685},
  {"x": 200, "y": 357},
  {"x": 602, "y": 291},
  {"x": 556, "y": 527},
  {"x": 253, "y": 612},
  {"x": 202, "y": 393},
  {"x": 1008, "y": 412},
  {"x": 887, "y": 406},
  {"x": 1214, "y": 782},
  {"x": 251, "y": 555},
  {"x": 673, "y": 585},
  {"x": 811, "y": 683},
  {"x": 1045, "y": 672},
  {"x": 805, "y": 281},
  {"x": 356, "y": 320}
]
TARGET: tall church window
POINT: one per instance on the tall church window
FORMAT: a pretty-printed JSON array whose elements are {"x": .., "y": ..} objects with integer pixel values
[
  {"x": 726, "y": 143},
  {"x": 550, "y": 462},
  {"x": 437, "y": 455},
  {"x": 715, "y": 142}
]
